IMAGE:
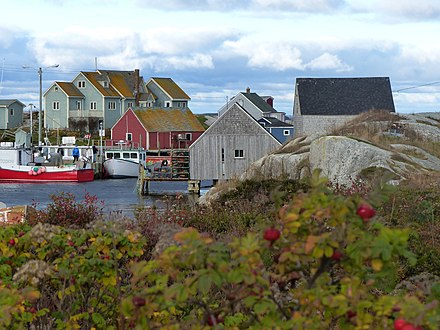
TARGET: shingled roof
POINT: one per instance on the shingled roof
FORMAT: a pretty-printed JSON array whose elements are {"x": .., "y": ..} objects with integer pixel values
[
  {"x": 259, "y": 102},
  {"x": 169, "y": 120},
  {"x": 171, "y": 88},
  {"x": 70, "y": 89},
  {"x": 343, "y": 96}
]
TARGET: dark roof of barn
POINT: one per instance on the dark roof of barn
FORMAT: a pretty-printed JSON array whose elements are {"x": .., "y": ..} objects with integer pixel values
[{"x": 344, "y": 96}]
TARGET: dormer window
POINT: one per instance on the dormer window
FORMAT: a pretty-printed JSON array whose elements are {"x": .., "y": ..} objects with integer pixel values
[{"x": 105, "y": 84}]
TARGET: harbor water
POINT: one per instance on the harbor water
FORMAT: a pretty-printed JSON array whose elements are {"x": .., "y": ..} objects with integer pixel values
[{"x": 117, "y": 195}]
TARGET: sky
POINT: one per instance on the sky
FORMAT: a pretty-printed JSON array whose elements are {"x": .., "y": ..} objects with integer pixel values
[{"x": 214, "y": 49}]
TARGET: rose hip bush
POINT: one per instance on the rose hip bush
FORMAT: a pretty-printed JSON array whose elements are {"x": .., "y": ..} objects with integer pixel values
[
  {"x": 57, "y": 278},
  {"x": 326, "y": 261},
  {"x": 330, "y": 261},
  {"x": 66, "y": 211}
]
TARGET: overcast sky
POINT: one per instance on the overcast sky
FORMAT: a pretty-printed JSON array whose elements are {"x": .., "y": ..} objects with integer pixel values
[{"x": 214, "y": 49}]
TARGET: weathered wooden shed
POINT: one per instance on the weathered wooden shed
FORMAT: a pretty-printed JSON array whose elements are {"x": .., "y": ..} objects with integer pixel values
[{"x": 229, "y": 146}]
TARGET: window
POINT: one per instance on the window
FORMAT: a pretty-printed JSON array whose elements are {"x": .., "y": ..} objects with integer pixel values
[
  {"x": 125, "y": 155},
  {"x": 130, "y": 104},
  {"x": 112, "y": 105},
  {"x": 81, "y": 84},
  {"x": 92, "y": 105},
  {"x": 188, "y": 136},
  {"x": 11, "y": 112},
  {"x": 223, "y": 155},
  {"x": 128, "y": 136},
  {"x": 133, "y": 155},
  {"x": 239, "y": 153},
  {"x": 286, "y": 132},
  {"x": 117, "y": 155},
  {"x": 56, "y": 89},
  {"x": 78, "y": 105},
  {"x": 167, "y": 104},
  {"x": 183, "y": 104},
  {"x": 105, "y": 84},
  {"x": 56, "y": 105}
]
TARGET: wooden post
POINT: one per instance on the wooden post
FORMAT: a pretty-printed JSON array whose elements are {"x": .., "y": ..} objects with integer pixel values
[{"x": 194, "y": 186}]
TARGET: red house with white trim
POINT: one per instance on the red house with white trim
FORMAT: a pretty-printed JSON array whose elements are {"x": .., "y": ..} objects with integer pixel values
[{"x": 157, "y": 128}]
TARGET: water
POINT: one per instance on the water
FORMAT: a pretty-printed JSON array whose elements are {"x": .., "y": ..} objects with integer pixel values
[{"x": 118, "y": 195}]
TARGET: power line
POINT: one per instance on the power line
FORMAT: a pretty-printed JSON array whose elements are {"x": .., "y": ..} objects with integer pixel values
[{"x": 417, "y": 86}]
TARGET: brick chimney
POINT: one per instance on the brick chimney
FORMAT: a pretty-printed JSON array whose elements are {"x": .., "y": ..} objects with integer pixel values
[{"x": 248, "y": 90}]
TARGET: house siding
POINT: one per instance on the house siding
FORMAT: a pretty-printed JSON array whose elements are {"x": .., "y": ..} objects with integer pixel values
[
  {"x": 234, "y": 130},
  {"x": 161, "y": 96},
  {"x": 6, "y": 120},
  {"x": 129, "y": 123},
  {"x": 306, "y": 125},
  {"x": 56, "y": 118}
]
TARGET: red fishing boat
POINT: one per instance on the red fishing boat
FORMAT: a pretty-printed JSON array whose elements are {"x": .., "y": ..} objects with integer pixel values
[{"x": 19, "y": 164}]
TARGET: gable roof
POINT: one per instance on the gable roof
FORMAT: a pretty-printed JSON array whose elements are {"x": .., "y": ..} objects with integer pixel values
[
  {"x": 170, "y": 88},
  {"x": 95, "y": 78},
  {"x": 259, "y": 102},
  {"x": 273, "y": 122},
  {"x": 222, "y": 125},
  {"x": 343, "y": 96},
  {"x": 123, "y": 81},
  {"x": 7, "y": 103},
  {"x": 69, "y": 88},
  {"x": 169, "y": 120}
]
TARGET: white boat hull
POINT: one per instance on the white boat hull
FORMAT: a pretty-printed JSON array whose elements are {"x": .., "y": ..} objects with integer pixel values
[{"x": 121, "y": 168}]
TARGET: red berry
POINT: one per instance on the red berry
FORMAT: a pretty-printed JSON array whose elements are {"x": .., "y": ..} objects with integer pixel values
[
  {"x": 337, "y": 255},
  {"x": 12, "y": 242},
  {"x": 32, "y": 310},
  {"x": 70, "y": 243},
  {"x": 366, "y": 212},
  {"x": 138, "y": 301},
  {"x": 408, "y": 326},
  {"x": 399, "y": 324},
  {"x": 351, "y": 314},
  {"x": 211, "y": 320},
  {"x": 20, "y": 234},
  {"x": 271, "y": 234}
]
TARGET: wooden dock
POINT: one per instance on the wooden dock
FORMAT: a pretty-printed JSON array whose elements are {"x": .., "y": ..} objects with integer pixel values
[{"x": 176, "y": 170}]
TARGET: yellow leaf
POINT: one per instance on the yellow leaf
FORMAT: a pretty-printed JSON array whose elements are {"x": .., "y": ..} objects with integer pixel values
[
  {"x": 318, "y": 252},
  {"x": 92, "y": 239},
  {"x": 376, "y": 264},
  {"x": 328, "y": 251}
]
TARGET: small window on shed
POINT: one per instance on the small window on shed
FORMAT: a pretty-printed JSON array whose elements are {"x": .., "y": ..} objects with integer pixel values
[
  {"x": 286, "y": 132},
  {"x": 239, "y": 153}
]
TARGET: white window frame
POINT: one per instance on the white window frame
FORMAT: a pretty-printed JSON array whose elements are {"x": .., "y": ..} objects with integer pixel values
[
  {"x": 286, "y": 132},
  {"x": 130, "y": 105},
  {"x": 81, "y": 84},
  {"x": 93, "y": 105},
  {"x": 239, "y": 153},
  {"x": 11, "y": 113},
  {"x": 167, "y": 104},
  {"x": 55, "y": 105},
  {"x": 78, "y": 105},
  {"x": 129, "y": 136},
  {"x": 112, "y": 105},
  {"x": 188, "y": 136}
]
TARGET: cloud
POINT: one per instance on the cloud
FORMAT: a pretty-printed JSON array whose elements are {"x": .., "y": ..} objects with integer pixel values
[
  {"x": 248, "y": 5},
  {"x": 328, "y": 62},
  {"x": 422, "y": 9},
  {"x": 406, "y": 9}
]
